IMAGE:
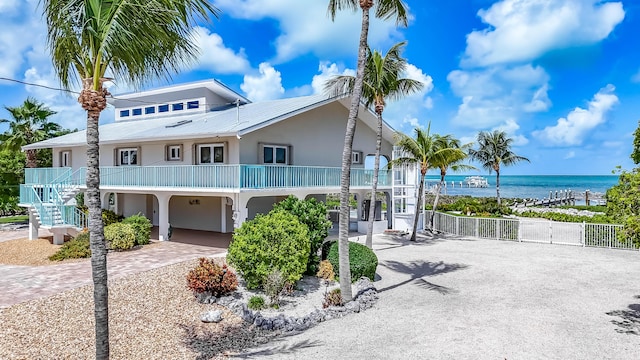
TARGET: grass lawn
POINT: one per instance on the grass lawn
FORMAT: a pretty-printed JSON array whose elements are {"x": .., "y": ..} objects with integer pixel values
[{"x": 12, "y": 219}]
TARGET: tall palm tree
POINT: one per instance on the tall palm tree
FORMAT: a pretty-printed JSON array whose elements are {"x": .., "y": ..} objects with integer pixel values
[
  {"x": 494, "y": 148},
  {"x": 448, "y": 160},
  {"x": 421, "y": 151},
  {"x": 29, "y": 124},
  {"x": 385, "y": 9},
  {"x": 381, "y": 82},
  {"x": 132, "y": 40}
]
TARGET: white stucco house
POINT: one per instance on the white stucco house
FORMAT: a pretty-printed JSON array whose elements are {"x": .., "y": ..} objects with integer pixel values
[{"x": 201, "y": 156}]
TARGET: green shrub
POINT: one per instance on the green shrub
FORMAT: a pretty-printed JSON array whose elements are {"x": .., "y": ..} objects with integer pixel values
[
  {"x": 109, "y": 217},
  {"x": 362, "y": 261},
  {"x": 77, "y": 248},
  {"x": 273, "y": 241},
  {"x": 210, "y": 276},
  {"x": 256, "y": 302},
  {"x": 333, "y": 298},
  {"x": 120, "y": 236},
  {"x": 273, "y": 286},
  {"x": 313, "y": 214},
  {"x": 141, "y": 226}
]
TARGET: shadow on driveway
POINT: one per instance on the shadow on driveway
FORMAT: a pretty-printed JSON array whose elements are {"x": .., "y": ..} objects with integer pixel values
[
  {"x": 629, "y": 322},
  {"x": 420, "y": 269}
]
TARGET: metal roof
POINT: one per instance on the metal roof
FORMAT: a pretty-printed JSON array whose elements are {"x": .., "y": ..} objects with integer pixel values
[{"x": 235, "y": 121}]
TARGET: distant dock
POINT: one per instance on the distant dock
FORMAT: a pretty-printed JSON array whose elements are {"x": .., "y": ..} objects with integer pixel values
[{"x": 557, "y": 198}]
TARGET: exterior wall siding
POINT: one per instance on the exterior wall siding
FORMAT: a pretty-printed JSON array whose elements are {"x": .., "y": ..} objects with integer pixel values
[
  {"x": 195, "y": 212},
  {"x": 317, "y": 138}
]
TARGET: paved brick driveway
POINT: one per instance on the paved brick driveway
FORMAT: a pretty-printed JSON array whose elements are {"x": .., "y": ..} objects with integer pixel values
[{"x": 23, "y": 283}]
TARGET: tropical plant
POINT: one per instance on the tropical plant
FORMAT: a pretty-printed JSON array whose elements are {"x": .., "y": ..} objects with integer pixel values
[
  {"x": 635, "y": 155},
  {"x": 142, "y": 227},
  {"x": 313, "y": 214},
  {"x": 447, "y": 160},
  {"x": 268, "y": 242},
  {"x": 382, "y": 81},
  {"x": 132, "y": 40},
  {"x": 209, "y": 276},
  {"x": 362, "y": 260},
  {"x": 385, "y": 9},
  {"x": 494, "y": 149},
  {"x": 420, "y": 151},
  {"x": 119, "y": 236},
  {"x": 29, "y": 124}
]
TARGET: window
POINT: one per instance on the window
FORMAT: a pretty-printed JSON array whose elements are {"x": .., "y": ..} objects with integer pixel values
[
  {"x": 128, "y": 156},
  {"x": 193, "y": 104},
  {"x": 275, "y": 154},
  {"x": 400, "y": 206},
  {"x": 174, "y": 152},
  {"x": 150, "y": 110},
  {"x": 177, "y": 106},
  {"x": 163, "y": 108},
  {"x": 65, "y": 158},
  {"x": 211, "y": 154},
  {"x": 124, "y": 113},
  {"x": 356, "y": 157},
  {"x": 137, "y": 112}
]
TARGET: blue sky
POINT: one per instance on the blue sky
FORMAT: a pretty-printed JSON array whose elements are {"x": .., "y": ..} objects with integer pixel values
[{"x": 562, "y": 77}]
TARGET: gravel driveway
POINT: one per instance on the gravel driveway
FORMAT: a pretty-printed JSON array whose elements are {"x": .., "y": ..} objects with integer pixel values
[{"x": 449, "y": 298}]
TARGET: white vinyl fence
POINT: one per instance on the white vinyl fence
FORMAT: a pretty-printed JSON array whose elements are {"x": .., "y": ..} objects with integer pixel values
[{"x": 532, "y": 230}]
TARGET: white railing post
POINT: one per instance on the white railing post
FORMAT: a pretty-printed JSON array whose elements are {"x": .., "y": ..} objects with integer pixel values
[
  {"x": 583, "y": 234},
  {"x": 477, "y": 227},
  {"x": 519, "y": 230},
  {"x": 457, "y": 226},
  {"x": 550, "y": 232},
  {"x": 498, "y": 229}
]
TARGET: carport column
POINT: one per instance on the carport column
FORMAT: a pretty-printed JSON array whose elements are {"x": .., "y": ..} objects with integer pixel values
[
  {"x": 34, "y": 225},
  {"x": 240, "y": 211},
  {"x": 360, "y": 198},
  {"x": 163, "y": 216}
]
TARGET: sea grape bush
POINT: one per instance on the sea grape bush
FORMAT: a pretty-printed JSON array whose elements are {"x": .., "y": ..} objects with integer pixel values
[
  {"x": 120, "y": 236},
  {"x": 141, "y": 226},
  {"x": 362, "y": 261},
  {"x": 209, "y": 276}
]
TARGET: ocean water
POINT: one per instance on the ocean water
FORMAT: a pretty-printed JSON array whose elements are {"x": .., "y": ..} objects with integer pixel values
[{"x": 528, "y": 186}]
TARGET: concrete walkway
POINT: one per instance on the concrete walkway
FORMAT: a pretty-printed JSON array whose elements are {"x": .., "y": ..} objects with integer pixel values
[
  {"x": 450, "y": 298},
  {"x": 23, "y": 283}
]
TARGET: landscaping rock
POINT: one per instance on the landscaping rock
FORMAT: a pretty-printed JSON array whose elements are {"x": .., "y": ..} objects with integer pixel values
[{"x": 213, "y": 316}]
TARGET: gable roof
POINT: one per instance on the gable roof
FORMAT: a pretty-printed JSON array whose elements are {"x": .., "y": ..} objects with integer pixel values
[{"x": 235, "y": 121}]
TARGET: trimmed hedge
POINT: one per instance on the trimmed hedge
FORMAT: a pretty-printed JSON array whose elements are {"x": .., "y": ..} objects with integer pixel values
[
  {"x": 141, "y": 226},
  {"x": 362, "y": 261},
  {"x": 77, "y": 248},
  {"x": 120, "y": 236}
]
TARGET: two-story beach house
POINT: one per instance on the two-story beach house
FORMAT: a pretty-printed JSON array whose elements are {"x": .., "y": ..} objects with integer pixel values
[{"x": 201, "y": 156}]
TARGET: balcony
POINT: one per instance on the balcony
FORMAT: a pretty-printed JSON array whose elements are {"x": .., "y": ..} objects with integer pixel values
[{"x": 215, "y": 177}]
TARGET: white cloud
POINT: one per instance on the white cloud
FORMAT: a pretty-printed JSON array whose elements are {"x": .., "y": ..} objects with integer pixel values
[
  {"x": 491, "y": 95},
  {"x": 215, "y": 57},
  {"x": 411, "y": 122},
  {"x": 570, "y": 155},
  {"x": 545, "y": 24},
  {"x": 306, "y": 28},
  {"x": 576, "y": 126},
  {"x": 414, "y": 105},
  {"x": 327, "y": 71},
  {"x": 8, "y": 6},
  {"x": 510, "y": 126},
  {"x": 265, "y": 86}
]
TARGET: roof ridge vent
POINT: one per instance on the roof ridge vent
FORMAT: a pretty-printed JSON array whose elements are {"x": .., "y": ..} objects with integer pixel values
[{"x": 181, "y": 122}]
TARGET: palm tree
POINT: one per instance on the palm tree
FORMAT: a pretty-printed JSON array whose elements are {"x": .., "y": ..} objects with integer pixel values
[
  {"x": 447, "y": 160},
  {"x": 421, "y": 151},
  {"x": 494, "y": 148},
  {"x": 29, "y": 124},
  {"x": 132, "y": 40},
  {"x": 385, "y": 9},
  {"x": 381, "y": 82}
]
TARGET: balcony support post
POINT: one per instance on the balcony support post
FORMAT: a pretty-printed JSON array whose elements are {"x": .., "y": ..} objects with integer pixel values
[
  {"x": 163, "y": 216},
  {"x": 34, "y": 225},
  {"x": 240, "y": 211}
]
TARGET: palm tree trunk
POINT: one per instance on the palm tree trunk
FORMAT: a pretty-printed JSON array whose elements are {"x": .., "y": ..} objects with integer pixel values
[
  {"x": 435, "y": 202},
  {"x": 418, "y": 207},
  {"x": 498, "y": 186},
  {"x": 345, "y": 178},
  {"x": 374, "y": 186},
  {"x": 32, "y": 161},
  {"x": 94, "y": 102}
]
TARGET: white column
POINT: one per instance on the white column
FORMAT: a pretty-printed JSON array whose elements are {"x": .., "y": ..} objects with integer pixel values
[
  {"x": 223, "y": 214},
  {"x": 240, "y": 211},
  {"x": 58, "y": 236},
  {"x": 163, "y": 216},
  {"x": 34, "y": 225}
]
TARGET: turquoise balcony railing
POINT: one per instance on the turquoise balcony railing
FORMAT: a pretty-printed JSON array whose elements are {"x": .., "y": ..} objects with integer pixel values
[{"x": 231, "y": 177}]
